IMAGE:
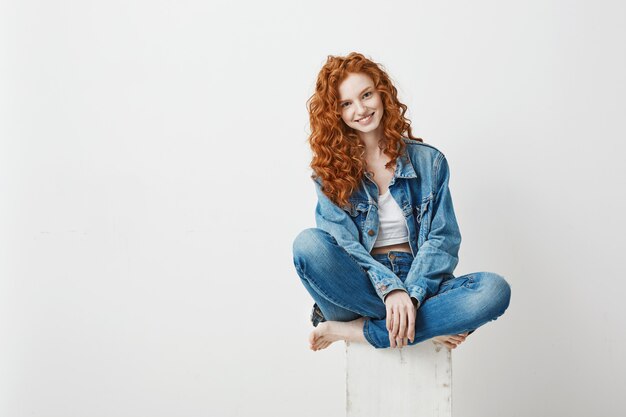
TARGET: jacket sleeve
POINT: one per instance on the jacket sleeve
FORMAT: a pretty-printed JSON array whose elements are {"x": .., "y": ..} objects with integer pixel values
[
  {"x": 439, "y": 254},
  {"x": 334, "y": 220}
]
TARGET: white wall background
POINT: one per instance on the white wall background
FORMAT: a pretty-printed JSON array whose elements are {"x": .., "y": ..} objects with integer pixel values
[{"x": 154, "y": 172}]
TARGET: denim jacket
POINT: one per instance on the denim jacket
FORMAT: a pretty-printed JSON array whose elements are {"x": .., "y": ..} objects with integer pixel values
[{"x": 420, "y": 187}]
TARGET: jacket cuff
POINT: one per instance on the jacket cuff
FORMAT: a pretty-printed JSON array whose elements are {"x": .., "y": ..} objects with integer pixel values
[
  {"x": 384, "y": 286},
  {"x": 418, "y": 293}
]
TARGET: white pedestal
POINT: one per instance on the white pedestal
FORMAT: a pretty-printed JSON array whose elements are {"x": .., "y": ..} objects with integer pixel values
[{"x": 415, "y": 381}]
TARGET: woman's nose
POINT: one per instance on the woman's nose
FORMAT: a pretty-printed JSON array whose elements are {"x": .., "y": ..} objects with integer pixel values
[{"x": 360, "y": 108}]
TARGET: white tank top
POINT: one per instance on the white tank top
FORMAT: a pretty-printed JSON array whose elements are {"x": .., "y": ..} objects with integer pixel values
[{"x": 392, "y": 226}]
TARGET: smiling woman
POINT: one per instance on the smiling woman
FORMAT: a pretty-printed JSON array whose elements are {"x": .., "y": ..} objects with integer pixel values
[
  {"x": 363, "y": 111},
  {"x": 379, "y": 265}
]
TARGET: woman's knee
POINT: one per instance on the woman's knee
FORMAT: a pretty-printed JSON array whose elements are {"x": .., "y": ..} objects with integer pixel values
[
  {"x": 495, "y": 290},
  {"x": 308, "y": 243}
]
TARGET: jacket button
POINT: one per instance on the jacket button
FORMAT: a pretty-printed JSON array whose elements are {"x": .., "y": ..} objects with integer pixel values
[
  {"x": 370, "y": 232},
  {"x": 392, "y": 256},
  {"x": 383, "y": 288}
]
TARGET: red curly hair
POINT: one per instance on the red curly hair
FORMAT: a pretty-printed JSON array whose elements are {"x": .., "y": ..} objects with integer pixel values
[{"x": 338, "y": 154}]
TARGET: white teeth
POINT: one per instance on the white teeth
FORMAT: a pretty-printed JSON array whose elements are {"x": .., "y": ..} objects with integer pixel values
[{"x": 365, "y": 118}]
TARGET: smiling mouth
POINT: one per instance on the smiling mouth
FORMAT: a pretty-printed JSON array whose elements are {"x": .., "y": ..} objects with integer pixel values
[{"x": 366, "y": 117}]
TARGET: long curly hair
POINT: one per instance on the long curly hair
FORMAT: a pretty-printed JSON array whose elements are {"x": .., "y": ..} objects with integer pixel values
[{"x": 338, "y": 154}]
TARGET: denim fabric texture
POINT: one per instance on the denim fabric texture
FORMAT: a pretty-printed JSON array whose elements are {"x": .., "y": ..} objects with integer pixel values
[
  {"x": 420, "y": 187},
  {"x": 334, "y": 262},
  {"x": 343, "y": 292}
]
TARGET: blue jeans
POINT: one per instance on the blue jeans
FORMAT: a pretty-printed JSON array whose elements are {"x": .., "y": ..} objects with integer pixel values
[{"x": 343, "y": 291}]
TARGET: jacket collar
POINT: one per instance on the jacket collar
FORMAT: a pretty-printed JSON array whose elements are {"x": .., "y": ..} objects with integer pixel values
[{"x": 404, "y": 167}]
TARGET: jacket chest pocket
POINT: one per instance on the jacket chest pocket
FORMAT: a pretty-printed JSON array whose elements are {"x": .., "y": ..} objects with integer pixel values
[
  {"x": 358, "y": 212},
  {"x": 422, "y": 220}
]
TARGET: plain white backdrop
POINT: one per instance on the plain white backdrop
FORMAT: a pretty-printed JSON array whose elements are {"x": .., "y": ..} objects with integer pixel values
[{"x": 154, "y": 172}]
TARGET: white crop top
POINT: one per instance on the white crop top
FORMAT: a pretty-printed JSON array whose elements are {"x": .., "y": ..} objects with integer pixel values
[{"x": 392, "y": 227}]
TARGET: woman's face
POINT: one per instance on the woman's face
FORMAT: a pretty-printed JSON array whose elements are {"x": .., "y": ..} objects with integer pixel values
[{"x": 361, "y": 106}]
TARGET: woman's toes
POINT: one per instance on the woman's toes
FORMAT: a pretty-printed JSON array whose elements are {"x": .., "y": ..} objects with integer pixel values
[
  {"x": 316, "y": 338},
  {"x": 313, "y": 340}
]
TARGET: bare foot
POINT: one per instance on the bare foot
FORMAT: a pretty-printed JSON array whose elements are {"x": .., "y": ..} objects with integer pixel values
[
  {"x": 328, "y": 332},
  {"x": 451, "y": 341}
]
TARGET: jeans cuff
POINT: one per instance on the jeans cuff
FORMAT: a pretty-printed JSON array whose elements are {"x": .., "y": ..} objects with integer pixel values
[
  {"x": 316, "y": 315},
  {"x": 366, "y": 333}
]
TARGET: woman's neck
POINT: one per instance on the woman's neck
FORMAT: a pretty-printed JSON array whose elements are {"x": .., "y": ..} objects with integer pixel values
[{"x": 372, "y": 148}]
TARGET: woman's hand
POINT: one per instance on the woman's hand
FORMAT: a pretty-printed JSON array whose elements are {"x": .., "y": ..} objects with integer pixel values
[{"x": 400, "y": 318}]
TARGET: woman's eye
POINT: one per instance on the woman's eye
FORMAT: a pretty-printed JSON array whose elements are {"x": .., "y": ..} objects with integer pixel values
[
  {"x": 344, "y": 104},
  {"x": 366, "y": 94}
]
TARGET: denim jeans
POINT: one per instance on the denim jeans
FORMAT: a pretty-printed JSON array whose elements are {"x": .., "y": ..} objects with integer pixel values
[{"x": 342, "y": 291}]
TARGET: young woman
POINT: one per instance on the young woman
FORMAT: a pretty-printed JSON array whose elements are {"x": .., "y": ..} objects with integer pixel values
[{"x": 379, "y": 265}]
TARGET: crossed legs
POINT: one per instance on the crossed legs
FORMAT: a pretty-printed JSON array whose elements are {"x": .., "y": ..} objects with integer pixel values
[{"x": 354, "y": 311}]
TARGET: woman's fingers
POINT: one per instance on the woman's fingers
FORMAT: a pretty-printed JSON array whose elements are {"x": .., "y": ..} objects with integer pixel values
[
  {"x": 395, "y": 325},
  {"x": 402, "y": 328},
  {"x": 394, "y": 333},
  {"x": 392, "y": 341},
  {"x": 411, "y": 325},
  {"x": 408, "y": 332},
  {"x": 400, "y": 318}
]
